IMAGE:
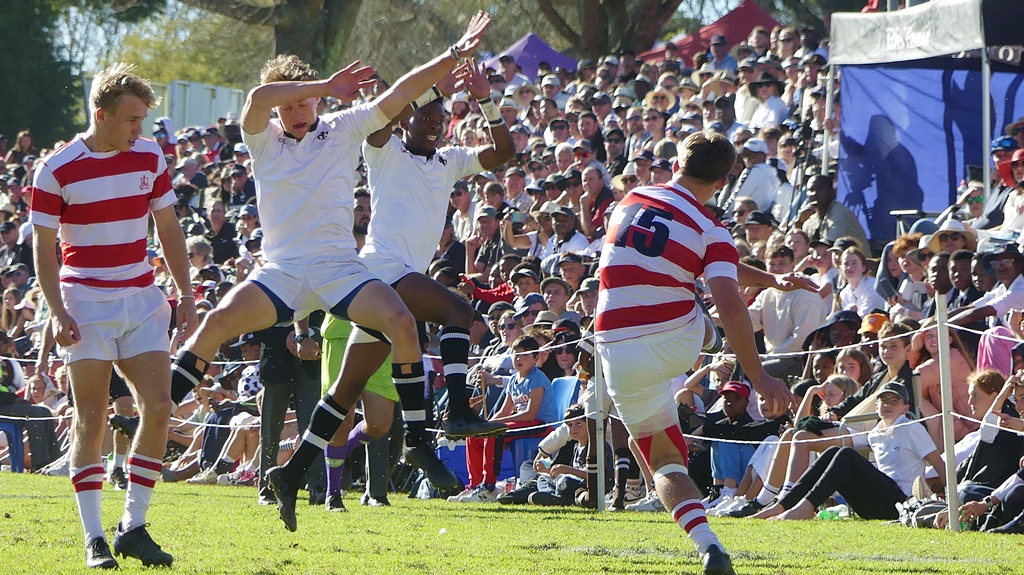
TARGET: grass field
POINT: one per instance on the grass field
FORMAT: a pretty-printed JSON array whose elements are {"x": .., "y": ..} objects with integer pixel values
[{"x": 212, "y": 529}]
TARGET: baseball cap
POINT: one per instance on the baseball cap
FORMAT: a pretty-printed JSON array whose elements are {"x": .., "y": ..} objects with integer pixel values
[
  {"x": 755, "y": 146},
  {"x": 872, "y": 322},
  {"x": 662, "y": 164},
  {"x": 739, "y": 388},
  {"x": 843, "y": 243},
  {"x": 718, "y": 39},
  {"x": 589, "y": 285},
  {"x": 487, "y": 212},
  {"x": 760, "y": 218},
  {"x": 896, "y": 389},
  {"x": 1007, "y": 143},
  {"x": 248, "y": 210},
  {"x": 570, "y": 257},
  {"x": 524, "y": 273},
  {"x": 551, "y": 80}
]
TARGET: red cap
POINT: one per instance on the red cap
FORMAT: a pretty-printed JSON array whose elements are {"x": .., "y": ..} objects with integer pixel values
[{"x": 737, "y": 388}]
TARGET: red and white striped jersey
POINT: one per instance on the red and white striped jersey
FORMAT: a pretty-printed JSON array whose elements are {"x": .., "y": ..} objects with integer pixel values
[
  {"x": 659, "y": 240},
  {"x": 100, "y": 205}
]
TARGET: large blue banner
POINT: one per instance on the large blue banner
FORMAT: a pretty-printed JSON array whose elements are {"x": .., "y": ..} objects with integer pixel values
[{"x": 908, "y": 135}]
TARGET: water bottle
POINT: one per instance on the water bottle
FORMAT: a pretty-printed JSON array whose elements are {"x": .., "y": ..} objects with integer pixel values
[{"x": 835, "y": 512}]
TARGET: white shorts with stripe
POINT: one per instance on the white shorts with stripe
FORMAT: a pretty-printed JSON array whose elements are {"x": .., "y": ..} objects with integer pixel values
[
  {"x": 638, "y": 372},
  {"x": 119, "y": 329},
  {"x": 321, "y": 282}
]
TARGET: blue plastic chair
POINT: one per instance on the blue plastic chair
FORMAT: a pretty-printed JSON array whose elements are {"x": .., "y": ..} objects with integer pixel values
[{"x": 16, "y": 443}]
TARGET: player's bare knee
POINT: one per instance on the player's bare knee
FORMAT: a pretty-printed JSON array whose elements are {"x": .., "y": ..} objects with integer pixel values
[
  {"x": 156, "y": 407},
  {"x": 377, "y": 427},
  {"x": 402, "y": 327}
]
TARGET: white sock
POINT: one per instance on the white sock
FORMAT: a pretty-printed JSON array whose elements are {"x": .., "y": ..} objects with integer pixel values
[
  {"x": 691, "y": 517},
  {"x": 119, "y": 460},
  {"x": 765, "y": 496},
  {"x": 88, "y": 484},
  {"x": 142, "y": 475},
  {"x": 786, "y": 488}
]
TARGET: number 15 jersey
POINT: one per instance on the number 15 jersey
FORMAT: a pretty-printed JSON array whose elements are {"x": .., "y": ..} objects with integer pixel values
[{"x": 659, "y": 240}]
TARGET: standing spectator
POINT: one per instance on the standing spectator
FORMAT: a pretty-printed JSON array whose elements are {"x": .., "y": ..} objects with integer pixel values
[
  {"x": 824, "y": 218},
  {"x": 220, "y": 233},
  {"x": 23, "y": 148},
  {"x": 243, "y": 189}
]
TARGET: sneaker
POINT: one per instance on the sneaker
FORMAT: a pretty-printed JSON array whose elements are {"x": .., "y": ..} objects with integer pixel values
[
  {"x": 97, "y": 555},
  {"x": 731, "y": 504},
  {"x": 458, "y": 497},
  {"x": 207, "y": 476},
  {"x": 749, "y": 508},
  {"x": 318, "y": 496},
  {"x": 124, "y": 424},
  {"x": 421, "y": 455},
  {"x": 519, "y": 496},
  {"x": 119, "y": 479},
  {"x": 334, "y": 503},
  {"x": 480, "y": 495},
  {"x": 372, "y": 501},
  {"x": 285, "y": 493},
  {"x": 472, "y": 426},
  {"x": 725, "y": 492},
  {"x": 920, "y": 488},
  {"x": 549, "y": 499},
  {"x": 634, "y": 493},
  {"x": 649, "y": 503},
  {"x": 138, "y": 544},
  {"x": 717, "y": 562}
]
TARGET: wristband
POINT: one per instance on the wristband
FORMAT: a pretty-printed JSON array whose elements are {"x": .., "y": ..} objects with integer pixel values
[
  {"x": 429, "y": 96},
  {"x": 490, "y": 111}
]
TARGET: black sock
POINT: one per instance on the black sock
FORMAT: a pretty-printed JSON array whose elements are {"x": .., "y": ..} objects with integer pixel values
[
  {"x": 409, "y": 381},
  {"x": 224, "y": 466},
  {"x": 622, "y": 465},
  {"x": 185, "y": 375},
  {"x": 323, "y": 423},
  {"x": 455, "y": 357}
]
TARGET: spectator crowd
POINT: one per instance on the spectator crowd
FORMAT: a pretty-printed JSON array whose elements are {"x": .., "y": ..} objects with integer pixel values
[{"x": 521, "y": 244}]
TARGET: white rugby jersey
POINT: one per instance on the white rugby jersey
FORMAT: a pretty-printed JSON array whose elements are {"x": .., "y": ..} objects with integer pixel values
[
  {"x": 304, "y": 188},
  {"x": 409, "y": 198},
  {"x": 659, "y": 240},
  {"x": 100, "y": 203}
]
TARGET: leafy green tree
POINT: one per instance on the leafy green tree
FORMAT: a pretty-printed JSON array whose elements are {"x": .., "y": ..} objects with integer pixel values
[{"x": 39, "y": 88}]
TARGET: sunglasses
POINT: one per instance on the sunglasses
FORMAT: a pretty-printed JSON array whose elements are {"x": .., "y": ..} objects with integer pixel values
[
  {"x": 507, "y": 326},
  {"x": 192, "y": 254},
  {"x": 1016, "y": 131},
  {"x": 950, "y": 237},
  {"x": 634, "y": 119},
  {"x": 976, "y": 200},
  {"x": 739, "y": 213},
  {"x": 629, "y": 180},
  {"x": 567, "y": 350},
  {"x": 458, "y": 193},
  {"x": 651, "y": 118},
  {"x": 787, "y": 39},
  {"x": 615, "y": 140}
]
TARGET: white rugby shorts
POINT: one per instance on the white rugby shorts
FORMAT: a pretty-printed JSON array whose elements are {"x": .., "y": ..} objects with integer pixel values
[
  {"x": 321, "y": 282},
  {"x": 639, "y": 371},
  {"x": 121, "y": 328}
]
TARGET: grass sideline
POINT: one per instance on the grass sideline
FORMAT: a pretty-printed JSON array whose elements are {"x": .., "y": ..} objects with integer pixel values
[{"x": 212, "y": 529}]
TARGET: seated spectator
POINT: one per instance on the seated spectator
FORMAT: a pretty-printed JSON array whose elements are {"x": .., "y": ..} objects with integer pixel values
[
  {"x": 560, "y": 477},
  {"x": 859, "y": 295},
  {"x": 1008, "y": 293},
  {"x": 901, "y": 450},
  {"x": 528, "y": 403},
  {"x": 923, "y": 357}
]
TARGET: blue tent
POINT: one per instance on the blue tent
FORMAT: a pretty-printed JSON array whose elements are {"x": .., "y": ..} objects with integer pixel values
[{"x": 529, "y": 51}]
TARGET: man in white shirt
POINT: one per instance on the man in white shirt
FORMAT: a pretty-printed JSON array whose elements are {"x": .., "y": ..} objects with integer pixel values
[
  {"x": 786, "y": 318},
  {"x": 1008, "y": 293}
]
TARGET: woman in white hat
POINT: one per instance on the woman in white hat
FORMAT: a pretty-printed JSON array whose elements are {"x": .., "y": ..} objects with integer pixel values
[{"x": 953, "y": 235}]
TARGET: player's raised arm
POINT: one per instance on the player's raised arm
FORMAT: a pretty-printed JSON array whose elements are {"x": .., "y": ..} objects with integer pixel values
[
  {"x": 418, "y": 82},
  {"x": 343, "y": 85},
  {"x": 502, "y": 148}
]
